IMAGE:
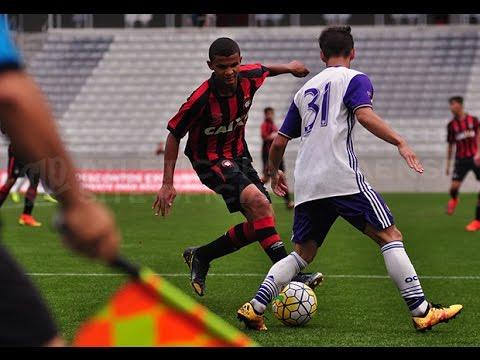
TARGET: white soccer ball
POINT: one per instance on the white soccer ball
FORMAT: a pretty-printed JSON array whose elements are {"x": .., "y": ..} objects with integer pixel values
[{"x": 295, "y": 305}]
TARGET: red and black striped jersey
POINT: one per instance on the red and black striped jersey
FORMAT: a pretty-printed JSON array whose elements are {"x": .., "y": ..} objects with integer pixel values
[
  {"x": 268, "y": 127},
  {"x": 463, "y": 133},
  {"x": 216, "y": 124}
]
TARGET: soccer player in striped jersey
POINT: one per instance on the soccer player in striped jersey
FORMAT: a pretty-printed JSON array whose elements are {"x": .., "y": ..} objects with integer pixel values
[
  {"x": 214, "y": 116},
  {"x": 268, "y": 131},
  {"x": 463, "y": 134},
  {"x": 329, "y": 183}
]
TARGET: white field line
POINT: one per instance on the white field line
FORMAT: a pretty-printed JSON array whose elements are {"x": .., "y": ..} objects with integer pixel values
[{"x": 327, "y": 276}]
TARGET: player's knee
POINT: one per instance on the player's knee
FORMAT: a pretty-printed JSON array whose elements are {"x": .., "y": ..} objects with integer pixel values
[
  {"x": 391, "y": 234},
  {"x": 307, "y": 251},
  {"x": 258, "y": 204},
  {"x": 308, "y": 257}
]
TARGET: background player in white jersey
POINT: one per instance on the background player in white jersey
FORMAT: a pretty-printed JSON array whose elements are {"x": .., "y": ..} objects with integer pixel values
[{"x": 329, "y": 183}]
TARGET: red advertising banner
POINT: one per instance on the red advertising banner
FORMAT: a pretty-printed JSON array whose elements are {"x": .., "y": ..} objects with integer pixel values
[{"x": 132, "y": 181}]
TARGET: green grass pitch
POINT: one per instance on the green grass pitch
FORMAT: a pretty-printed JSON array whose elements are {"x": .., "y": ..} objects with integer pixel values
[{"x": 353, "y": 310}]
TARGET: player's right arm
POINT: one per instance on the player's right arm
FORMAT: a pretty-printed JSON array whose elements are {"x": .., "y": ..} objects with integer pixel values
[
  {"x": 290, "y": 129},
  {"x": 449, "y": 158},
  {"x": 88, "y": 226},
  {"x": 178, "y": 126},
  {"x": 167, "y": 193}
]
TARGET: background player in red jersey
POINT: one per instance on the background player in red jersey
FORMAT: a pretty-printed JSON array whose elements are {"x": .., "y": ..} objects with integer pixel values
[
  {"x": 214, "y": 117},
  {"x": 462, "y": 132},
  {"x": 268, "y": 131}
]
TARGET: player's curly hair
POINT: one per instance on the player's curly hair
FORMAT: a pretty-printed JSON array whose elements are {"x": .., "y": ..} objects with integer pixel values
[{"x": 336, "y": 41}]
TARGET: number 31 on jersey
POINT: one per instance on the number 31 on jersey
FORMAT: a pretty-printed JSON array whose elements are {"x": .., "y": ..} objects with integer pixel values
[{"x": 314, "y": 108}]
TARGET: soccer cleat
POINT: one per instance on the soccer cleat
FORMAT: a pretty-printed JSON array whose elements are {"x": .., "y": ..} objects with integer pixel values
[
  {"x": 473, "y": 226},
  {"x": 198, "y": 270},
  {"x": 28, "y": 220},
  {"x": 452, "y": 204},
  {"x": 49, "y": 198},
  {"x": 312, "y": 280},
  {"x": 251, "y": 319},
  {"x": 15, "y": 196},
  {"x": 436, "y": 315}
]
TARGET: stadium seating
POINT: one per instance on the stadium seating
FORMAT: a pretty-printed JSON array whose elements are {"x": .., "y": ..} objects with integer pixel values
[{"x": 113, "y": 90}]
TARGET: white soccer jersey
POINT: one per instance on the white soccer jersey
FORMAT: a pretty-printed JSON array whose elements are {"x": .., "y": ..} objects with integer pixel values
[{"x": 322, "y": 114}]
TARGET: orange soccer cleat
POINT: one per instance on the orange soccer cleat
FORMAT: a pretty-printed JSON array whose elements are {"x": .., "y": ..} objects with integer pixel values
[
  {"x": 473, "y": 226},
  {"x": 452, "y": 204},
  {"x": 28, "y": 220}
]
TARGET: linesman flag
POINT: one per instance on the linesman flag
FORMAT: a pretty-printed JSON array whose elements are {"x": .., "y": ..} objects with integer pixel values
[{"x": 149, "y": 311}]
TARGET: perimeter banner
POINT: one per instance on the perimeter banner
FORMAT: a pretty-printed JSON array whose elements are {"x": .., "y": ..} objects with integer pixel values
[{"x": 131, "y": 181}]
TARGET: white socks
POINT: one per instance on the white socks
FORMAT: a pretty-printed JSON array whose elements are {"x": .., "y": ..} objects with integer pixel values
[
  {"x": 398, "y": 265},
  {"x": 401, "y": 271},
  {"x": 280, "y": 274}
]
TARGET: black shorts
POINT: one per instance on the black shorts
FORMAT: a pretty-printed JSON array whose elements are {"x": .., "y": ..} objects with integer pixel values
[
  {"x": 228, "y": 178},
  {"x": 462, "y": 168},
  {"x": 265, "y": 153},
  {"x": 24, "y": 317}
]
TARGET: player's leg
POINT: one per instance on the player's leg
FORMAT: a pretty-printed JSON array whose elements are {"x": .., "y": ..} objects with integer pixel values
[
  {"x": 235, "y": 183},
  {"x": 401, "y": 271},
  {"x": 312, "y": 222},
  {"x": 15, "y": 190},
  {"x": 25, "y": 319},
  {"x": 460, "y": 170},
  {"x": 13, "y": 172},
  {"x": 48, "y": 194},
  {"x": 26, "y": 218},
  {"x": 5, "y": 189},
  {"x": 268, "y": 237},
  {"x": 368, "y": 212},
  {"x": 225, "y": 178},
  {"x": 474, "y": 225}
]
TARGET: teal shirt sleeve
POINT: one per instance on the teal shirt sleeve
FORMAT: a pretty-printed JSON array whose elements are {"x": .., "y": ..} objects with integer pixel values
[{"x": 9, "y": 55}]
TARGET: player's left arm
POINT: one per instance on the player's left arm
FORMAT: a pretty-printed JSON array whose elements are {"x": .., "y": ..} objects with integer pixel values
[
  {"x": 378, "y": 127},
  {"x": 295, "y": 67},
  {"x": 358, "y": 99}
]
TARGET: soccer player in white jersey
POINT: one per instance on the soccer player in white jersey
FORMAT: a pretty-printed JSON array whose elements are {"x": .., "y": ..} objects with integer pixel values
[{"x": 329, "y": 183}]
